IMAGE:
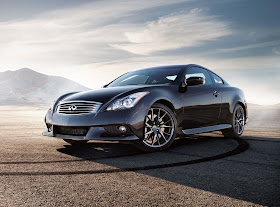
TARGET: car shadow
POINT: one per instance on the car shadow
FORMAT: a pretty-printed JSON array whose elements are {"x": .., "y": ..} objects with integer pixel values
[{"x": 210, "y": 163}]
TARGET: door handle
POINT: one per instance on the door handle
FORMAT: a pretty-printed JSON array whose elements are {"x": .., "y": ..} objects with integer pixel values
[{"x": 215, "y": 93}]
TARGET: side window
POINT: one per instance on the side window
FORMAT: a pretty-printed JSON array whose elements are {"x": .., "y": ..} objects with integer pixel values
[
  {"x": 199, "y": 72},
  {"x": 217, "y": 79}
]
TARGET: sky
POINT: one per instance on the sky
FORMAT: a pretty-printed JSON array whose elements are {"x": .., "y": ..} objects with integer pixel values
[{"x": 93, "y": 42}]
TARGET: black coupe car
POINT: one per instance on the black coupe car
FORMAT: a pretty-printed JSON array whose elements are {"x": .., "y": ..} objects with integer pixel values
[{"x": 150, "y": 107}]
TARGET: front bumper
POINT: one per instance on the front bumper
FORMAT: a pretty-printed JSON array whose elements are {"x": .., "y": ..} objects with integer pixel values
[
  {"x": 132, "y": 118},
  {"x": 94, "y": 133}
]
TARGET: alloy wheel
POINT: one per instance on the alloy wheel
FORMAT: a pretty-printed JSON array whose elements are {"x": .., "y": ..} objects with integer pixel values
[
  {"x": 239, "y": 121},
  {"x": 159, "y": 128}
]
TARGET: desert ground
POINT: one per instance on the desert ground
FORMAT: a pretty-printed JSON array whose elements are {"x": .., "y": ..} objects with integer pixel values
[{"x": 202, "y": 170}]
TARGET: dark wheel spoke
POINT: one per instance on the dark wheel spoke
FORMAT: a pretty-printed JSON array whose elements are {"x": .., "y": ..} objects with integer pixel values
[
  {"x": 149, "y": 118},
  {"x": 158, "y": 115},
  {"x": 237, "y": 128},
  {"x": 163, "y": 117},
  {"x": 166, "y": 133},
  {"x": 161, "y": 132},
  {"x": 154, "y": 139},
  {"x": 148, "y": 125},
  {"x": 158, "y": 139},
  {"x": 166, "y": 122},
  {"x": 150, "y": 132},
  {"x": 164, "y": 126}
]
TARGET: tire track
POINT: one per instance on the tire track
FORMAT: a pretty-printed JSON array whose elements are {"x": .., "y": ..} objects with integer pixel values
[
  {"x": 242, "y": 146},
  {"x": 74, "y": 160}
]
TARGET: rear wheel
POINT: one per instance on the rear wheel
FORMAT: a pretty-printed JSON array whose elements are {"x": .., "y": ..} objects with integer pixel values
[
  {"x": 75, "y": 142},
  {"x": 237, "y": 122},
  {"x": 160, "y": 129}
]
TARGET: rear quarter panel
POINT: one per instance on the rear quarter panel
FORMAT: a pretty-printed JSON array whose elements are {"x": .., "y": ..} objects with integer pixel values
[{"x": 230, "y": 97}]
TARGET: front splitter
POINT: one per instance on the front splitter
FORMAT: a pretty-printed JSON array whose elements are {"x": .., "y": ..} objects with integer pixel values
[{"x": 88, "y": 137}]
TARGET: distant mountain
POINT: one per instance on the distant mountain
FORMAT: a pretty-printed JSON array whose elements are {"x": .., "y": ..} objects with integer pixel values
[
  {"x": 257, "y": 106},
  {"x": 26, "y": 86},
  {"x": 277, "y": 105}
]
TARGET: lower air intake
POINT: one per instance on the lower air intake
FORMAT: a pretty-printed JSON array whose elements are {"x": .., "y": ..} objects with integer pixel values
[{"x": 65, "y": 130}]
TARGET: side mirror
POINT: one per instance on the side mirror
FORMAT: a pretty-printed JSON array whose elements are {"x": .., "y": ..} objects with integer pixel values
[{"x": 193, "y": 81}]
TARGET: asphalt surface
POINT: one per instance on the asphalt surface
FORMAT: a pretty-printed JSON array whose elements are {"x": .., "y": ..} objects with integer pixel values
[{"x": 201, "y": 170}]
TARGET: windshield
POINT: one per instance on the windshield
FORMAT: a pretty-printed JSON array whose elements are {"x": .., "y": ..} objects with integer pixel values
[{"x": 147, "y": 77}]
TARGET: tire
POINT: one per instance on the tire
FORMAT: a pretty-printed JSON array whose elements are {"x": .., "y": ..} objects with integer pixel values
[
  {"x": 237, "y": 121},
  {"x": 159, "y": 130},
  {"x": 75, "y": 142}
]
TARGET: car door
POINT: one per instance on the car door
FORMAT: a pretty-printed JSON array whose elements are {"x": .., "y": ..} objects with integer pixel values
[
  {"x": 201, "y": 103},
  {"x": 221, "y": 88}
]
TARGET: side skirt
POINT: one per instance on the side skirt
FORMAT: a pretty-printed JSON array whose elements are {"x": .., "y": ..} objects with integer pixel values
[{"x": 206, "y": 129}]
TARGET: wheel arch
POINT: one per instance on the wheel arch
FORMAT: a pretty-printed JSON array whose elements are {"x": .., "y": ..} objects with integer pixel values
[
  {"x": 244, "y": 106},
  {"x": 166, "y": 103},
  {"x": 237, "y": 97}
]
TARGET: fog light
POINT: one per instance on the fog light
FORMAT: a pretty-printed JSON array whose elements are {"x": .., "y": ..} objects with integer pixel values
[
  {"x": 49, "y": 126},
  {"x": 122, "y": 129}
]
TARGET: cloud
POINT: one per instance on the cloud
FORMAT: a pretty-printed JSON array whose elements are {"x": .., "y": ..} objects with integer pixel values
[
  {"x": 71, "y": 36},
  {"x": 251, "y": 46},
  {"x": 178, "y": 30},
  {"x": 96, "y": 42},
  {"x": 276, "y": 50}
]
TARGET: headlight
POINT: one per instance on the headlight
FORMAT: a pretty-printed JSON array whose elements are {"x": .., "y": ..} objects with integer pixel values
[{"x": 126, "y": 102}]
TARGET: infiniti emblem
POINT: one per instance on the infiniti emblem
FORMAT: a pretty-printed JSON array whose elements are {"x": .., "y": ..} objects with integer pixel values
[{"x": 72, "y": 108}]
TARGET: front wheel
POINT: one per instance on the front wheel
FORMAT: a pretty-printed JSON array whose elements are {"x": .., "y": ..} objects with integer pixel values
[
  {"x": 237, "y": 122},
  {"x": 75, "y": 142},
  {"x": 159, "y": 130}
]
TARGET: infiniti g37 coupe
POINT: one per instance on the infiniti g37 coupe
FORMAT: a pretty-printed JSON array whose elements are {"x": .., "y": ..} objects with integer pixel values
[{"x": 150, "y": 107}]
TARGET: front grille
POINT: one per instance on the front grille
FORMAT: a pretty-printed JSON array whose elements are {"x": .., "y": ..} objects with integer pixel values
[
  {"x": 66, "y": 130},
  {"x": 78, "y": 107}
]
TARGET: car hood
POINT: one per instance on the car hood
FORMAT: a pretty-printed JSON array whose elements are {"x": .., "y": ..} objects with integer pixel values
[{"x": 103, "y": 95}]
